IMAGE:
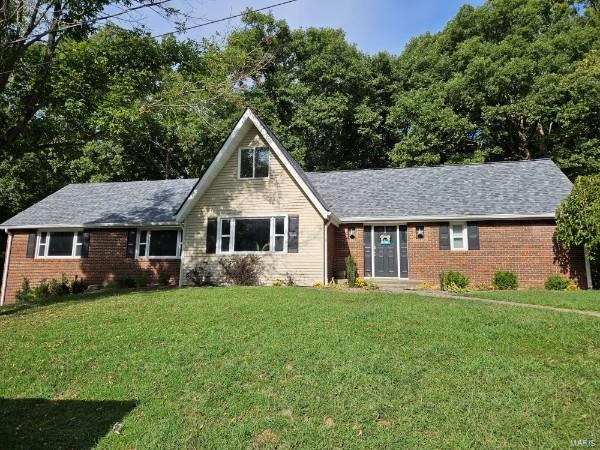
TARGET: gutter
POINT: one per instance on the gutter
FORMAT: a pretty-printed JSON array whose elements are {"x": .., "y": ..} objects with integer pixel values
[
  {"x": 92, "y": 225},
  {"x": 5, "y": 272},
  {"x": 371, "y": 219}
]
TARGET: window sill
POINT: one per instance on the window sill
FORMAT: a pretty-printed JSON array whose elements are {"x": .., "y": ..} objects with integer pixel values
[
  {"x": 56, "y": 257},
  {"x": 156, "y": 257}
]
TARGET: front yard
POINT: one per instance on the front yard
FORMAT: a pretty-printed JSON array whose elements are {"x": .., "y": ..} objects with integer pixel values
[
  {"x": 584, "y": 300},
  {"x": 294, "y": 367}
]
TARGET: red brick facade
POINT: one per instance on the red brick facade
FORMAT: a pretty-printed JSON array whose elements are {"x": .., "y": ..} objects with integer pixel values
[
  {"x": 526, "y": 248},
  {"x": 107, "y": 261}
]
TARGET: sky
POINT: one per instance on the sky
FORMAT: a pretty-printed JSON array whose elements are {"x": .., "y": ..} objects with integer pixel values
[{"x": 373, "y": 25}]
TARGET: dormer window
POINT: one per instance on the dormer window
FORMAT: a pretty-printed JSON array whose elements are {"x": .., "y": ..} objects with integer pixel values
[{"x": 253, "y": 162}]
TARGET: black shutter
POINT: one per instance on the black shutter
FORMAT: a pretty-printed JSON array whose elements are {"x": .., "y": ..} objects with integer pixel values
[
  {"x": 444, "y": 236},
  {"x": 31, "y": 244},
  {"x": 85, "y": 247},
  {"x": 131, "y": 236},
  {"x": 473, "y": 235},
  {"x": 211, "y": 236},
  {"x": 293, "y": 233}
]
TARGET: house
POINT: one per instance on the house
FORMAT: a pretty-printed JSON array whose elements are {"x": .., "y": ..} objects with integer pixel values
[{"x": 411, "y": 223}]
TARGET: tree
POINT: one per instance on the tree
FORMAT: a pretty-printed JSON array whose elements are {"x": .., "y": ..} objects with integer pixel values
[{"x": 578, "y": 217}]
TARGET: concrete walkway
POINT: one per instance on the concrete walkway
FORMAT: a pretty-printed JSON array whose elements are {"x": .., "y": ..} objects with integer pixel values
[{"x": 449, "y": 296}]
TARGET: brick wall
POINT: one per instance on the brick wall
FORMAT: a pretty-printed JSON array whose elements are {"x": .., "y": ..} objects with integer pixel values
[
  {"x": 344, "y": 246},
  {"x": 107, "y": 261},
  {"x": 526, "y": 248}
]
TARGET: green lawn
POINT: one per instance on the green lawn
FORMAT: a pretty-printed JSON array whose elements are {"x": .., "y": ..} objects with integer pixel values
[
  {"x": 294, "y": 367},
  {"x": 586, "y": 300}
]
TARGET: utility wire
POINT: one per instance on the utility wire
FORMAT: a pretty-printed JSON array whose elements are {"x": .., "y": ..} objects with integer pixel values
[
  {"x": 184, "y": 29},
  {"x": 86, "y": 22}
]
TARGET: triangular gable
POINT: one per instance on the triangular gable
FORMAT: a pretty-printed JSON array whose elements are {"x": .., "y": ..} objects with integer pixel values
[{"x": 231, "y": 145}]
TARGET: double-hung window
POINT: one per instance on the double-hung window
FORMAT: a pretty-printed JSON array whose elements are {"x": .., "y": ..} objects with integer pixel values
[
  {"x": 252, "y": 235},
  {"x": 458, "y": 236},
  {"x": 158, "y": 243},
  {"x": 253, "y": 162},
  {"x": 59, "y": 244}
]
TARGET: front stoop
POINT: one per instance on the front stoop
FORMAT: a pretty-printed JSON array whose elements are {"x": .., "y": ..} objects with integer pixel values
[{"x": 395, "y": 283}]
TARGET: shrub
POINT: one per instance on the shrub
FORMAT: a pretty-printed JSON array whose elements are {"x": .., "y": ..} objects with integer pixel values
[
  {"x": 141, "y": 281},
  {"x": 556, "y": 283},
  {"x": 277, "y": 282},
  {"x": 42, "y": 290},
  {"x": 242, "y": 270},
  {"x": 126, "y": 282},
  {"x": 456, "y": 280},
  {"x": 25, "y": 293},
  {"x": 371, "y": 285},
  {"x": 59, "y": 288},
  {"x": 164, "y": 279},
  {"x": 77, "y": 286},
  {"x": 350, "y": 270},
  {"x": 200, "y": 275},
  {"x": 319, "y": 285},
  {"x": 505, "y": 280},
  {"x": 359, "y": 283},
  {"x": 289, "y": 280}
]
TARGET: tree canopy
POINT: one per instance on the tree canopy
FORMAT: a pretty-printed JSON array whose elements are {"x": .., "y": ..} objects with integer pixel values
[{"x": 508, "y": 80}]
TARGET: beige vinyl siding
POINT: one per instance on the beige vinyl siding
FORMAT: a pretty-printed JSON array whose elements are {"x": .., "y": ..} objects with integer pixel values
[{"x": 278, "y": 194}]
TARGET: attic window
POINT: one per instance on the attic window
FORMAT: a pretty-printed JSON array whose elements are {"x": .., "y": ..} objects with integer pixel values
[{"x": 254, "y": 162}]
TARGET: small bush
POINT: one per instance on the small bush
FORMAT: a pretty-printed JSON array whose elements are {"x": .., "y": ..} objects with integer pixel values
[
  {"x": 164, "y": 279},
  {"x": 289, "y": 280},
  {"x": 77, "y": 286},
  {"x": 277, "y": 282},
  {"x": 242, "y": 270},
  {"x": 505, "y": 280},
  {"x": 371, "y": 285},
  {"x": 319, "y": 285},
  {"x": 41, "y": 291},
  {"x": 141, "y": 281},
  {"x": 59, "y": 288},
  {"x": 201, "y": 275},
  {"x": 126, "y": 282},
  {"x": 25, "y": 293},
  {"x": 571, "y": 286},
  {"x": 455, "y": 280},
  {"x": 359, "y": 283},
  {"x": 556, "y": 283},
  {"x": 351, "y": 271}
]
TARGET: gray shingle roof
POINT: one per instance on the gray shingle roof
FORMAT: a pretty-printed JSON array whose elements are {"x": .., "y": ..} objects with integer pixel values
[
  {"x": 521, "y": 187},
  {"x": 136, "y": 202}
]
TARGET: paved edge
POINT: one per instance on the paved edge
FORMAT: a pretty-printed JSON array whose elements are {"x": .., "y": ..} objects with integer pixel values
[{"x": 504, "y": 302}]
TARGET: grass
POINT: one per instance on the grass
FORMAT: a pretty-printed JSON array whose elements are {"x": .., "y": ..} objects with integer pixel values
[
  {"x": 294, "y": 367},
  {"x": 585, "y": 300}
]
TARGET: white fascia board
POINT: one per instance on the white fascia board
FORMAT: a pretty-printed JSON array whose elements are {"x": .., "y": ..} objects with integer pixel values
[
  {"x": 227, "y": 149},
  {"x": 370, "y": 219}
]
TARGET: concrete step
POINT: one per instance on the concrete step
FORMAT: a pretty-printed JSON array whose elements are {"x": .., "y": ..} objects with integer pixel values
[{"x": 393, "y": 283}]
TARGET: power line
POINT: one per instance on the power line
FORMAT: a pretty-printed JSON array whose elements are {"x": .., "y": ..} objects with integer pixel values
[
  {"x": 85, "y": 22},
  {"x": 184, "y": 29}
]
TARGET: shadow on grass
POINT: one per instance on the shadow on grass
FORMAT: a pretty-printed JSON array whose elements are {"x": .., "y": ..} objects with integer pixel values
[
  {"x": 33, "y": 423},
  {"x": 78, "y": 298}
]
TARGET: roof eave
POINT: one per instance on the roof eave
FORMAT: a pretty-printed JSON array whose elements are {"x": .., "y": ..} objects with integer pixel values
[{"x": 89, "y": 225}]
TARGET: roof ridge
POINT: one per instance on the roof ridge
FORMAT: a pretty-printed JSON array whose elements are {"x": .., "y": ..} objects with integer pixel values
[{"x": 434, "y": 166}]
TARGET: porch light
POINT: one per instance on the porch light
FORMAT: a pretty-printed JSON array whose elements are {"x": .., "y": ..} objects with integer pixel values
[
  {"x": 352, "y": 232},
  {"x": 420, "y": 231}
]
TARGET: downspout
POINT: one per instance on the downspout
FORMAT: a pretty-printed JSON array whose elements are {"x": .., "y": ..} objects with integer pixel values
[
  {"x": 588, "y": 269},
  {"x": 325, "y": 246},
  {"x": 180, "y": 283},
  {"x": 5, "y": 272}
]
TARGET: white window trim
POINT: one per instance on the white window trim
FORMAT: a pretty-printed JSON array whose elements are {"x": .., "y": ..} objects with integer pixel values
[
  {"x": 239, "y": 163},
  {"x": 272, "y": 235},
  {"x": 148, "y": 234},
  {"x": 47, "y": 244},
  {"x": 465, "y": 236}
]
